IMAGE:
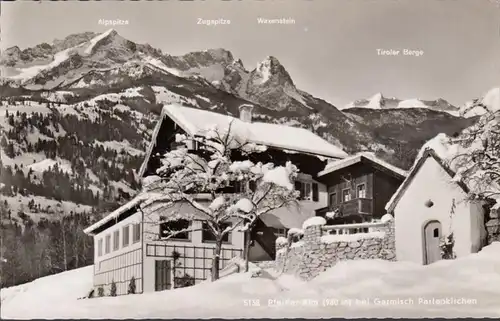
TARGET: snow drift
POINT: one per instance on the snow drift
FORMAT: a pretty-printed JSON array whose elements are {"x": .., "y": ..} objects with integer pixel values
[{"x": 464, "y": 287}]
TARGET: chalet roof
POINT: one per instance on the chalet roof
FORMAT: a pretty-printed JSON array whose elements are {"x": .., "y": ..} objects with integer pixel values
[
  {"x": 116, "y": 213},
  {"x": 357, "y": 158},
  {"x": 428, "y": 152},
  {"x": 193, "y": 121}
]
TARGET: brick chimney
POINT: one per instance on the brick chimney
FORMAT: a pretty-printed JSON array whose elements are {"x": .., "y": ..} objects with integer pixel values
[{"x": 246, "y": 113}]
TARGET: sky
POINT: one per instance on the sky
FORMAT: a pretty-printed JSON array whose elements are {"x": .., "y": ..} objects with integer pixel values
[{"x": 330, "y": 51}]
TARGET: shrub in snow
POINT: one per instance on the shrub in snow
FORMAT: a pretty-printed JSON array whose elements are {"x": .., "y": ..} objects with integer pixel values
[
  {"x": 184, "y": 281},
  {"x": 446, "y": 244},
  {"x": 112, "y": 291},
  {"x": 131, "y": 286},
  {"x": 313, "y": 221},
  {"x": 100, "y": 291}
]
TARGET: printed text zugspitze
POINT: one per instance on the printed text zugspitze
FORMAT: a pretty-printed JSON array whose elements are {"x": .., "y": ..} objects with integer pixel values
[{"x": 213, "y": 22}]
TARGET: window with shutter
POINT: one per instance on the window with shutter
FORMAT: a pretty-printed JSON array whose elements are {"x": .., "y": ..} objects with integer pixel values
[
  {"x": 315, "y": 192},
  {"x": 361, "y": 191}
]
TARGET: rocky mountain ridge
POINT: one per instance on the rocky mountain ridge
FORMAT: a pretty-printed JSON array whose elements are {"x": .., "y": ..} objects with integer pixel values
[{"x": 89, "y": 103}]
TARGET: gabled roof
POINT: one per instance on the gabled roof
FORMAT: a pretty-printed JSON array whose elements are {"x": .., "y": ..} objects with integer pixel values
[
  {"x": 358, "y": 158},
  {"x": 193, "y": 121},
  {"x": 116, "y": 213},
  {"x": 428, "y": 152}
]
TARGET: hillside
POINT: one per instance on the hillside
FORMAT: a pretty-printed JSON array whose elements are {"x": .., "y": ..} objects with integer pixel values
[
  {"x": 350, "y": 289},
  {"x": 76, "y": 116}
]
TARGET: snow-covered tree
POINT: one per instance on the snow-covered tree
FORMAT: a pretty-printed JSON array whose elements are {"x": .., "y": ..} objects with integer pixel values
[
  {"x": 215, "y": 165},
  {"x": 477, "y": 155}
]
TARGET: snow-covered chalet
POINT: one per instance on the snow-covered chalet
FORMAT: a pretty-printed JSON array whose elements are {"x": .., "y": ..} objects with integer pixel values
[{"x": 127, "y": 245}]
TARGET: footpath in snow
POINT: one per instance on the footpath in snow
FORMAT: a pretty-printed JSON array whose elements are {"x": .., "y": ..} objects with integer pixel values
[{"x": 466, "y": 287}]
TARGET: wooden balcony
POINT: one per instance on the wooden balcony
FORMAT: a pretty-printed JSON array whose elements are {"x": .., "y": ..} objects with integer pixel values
[{"x": 356, "y": 206}]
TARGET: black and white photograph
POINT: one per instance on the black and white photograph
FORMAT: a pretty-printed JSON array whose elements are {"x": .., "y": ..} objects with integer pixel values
[{"x": 250, "y": 159}]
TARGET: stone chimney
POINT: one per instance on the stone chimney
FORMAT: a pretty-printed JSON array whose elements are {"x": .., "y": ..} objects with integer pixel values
[{"x": 246, "y": 113}]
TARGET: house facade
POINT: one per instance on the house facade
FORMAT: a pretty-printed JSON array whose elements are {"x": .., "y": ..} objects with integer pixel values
[
  {"x": 429, "y": 206},
  {"x": 358, "y": 188},
  {"x": 130, "y": 242}
]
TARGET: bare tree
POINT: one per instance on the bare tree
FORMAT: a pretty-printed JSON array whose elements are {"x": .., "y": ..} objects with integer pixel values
[{"x": 476, "y": 157}]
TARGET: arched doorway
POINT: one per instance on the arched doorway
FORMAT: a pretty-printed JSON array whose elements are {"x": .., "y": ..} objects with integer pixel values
[{"x": 432, "y": 235}]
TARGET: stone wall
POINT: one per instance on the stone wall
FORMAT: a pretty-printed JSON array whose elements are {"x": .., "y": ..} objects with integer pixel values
[
  {"x": 493, "y": 228},
  {"x": 319, "y": 250}
]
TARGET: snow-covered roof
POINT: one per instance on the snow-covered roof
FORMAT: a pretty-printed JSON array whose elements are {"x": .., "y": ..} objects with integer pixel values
[
  {"x": 444, "y": 151},
  {"x": 351, "y": 160},
  {"x": 287, "y": 217},
  {"x": 116, "y": 213},
  {"x": 194, "y": 121}
]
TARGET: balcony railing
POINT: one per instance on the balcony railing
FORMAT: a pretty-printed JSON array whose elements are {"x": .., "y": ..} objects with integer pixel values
[
  {"x": 356, "y": 206},
  {"x": 353, "y": 228}
]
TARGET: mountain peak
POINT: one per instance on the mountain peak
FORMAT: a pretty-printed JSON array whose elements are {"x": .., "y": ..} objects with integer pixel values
[{"x": 270, "y": 68}]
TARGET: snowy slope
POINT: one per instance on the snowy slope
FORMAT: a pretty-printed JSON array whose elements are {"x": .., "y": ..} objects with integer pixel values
[
  {"x": 95, "y": 40},
  {"x": 474, "y": 277},
  {"x": 30, "y": 72}
]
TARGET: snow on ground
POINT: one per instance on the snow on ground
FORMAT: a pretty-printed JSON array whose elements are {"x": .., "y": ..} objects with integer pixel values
[
  {"x": 465, "y": 287},
  {"x": 19, "y": 202},
  {"x": 24, "y": 159},
  {"x": 119, "y": 146},
  {"x": 48, "y": 164},
  {"x": 26, "y": 107},
  {"x": 165, "y": 96},
  {"x": 57, "y": 96}
]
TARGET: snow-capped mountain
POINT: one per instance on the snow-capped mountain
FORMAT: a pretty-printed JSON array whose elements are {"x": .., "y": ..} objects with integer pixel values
[
  {"x": 78, "y": 113},
  {"x": 490, "y": 101},
  {"x": 378, "y": 101}
]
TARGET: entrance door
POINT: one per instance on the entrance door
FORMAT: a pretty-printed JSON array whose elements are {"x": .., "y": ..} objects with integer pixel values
[
  {"x": 163, "y": 275},
  {"x": 432, "y": 234}
]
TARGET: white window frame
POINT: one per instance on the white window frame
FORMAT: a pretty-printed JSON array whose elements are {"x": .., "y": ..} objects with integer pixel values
[
  {"x": 349, "y": 195},
  {"x": 364, "y": 190}
]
